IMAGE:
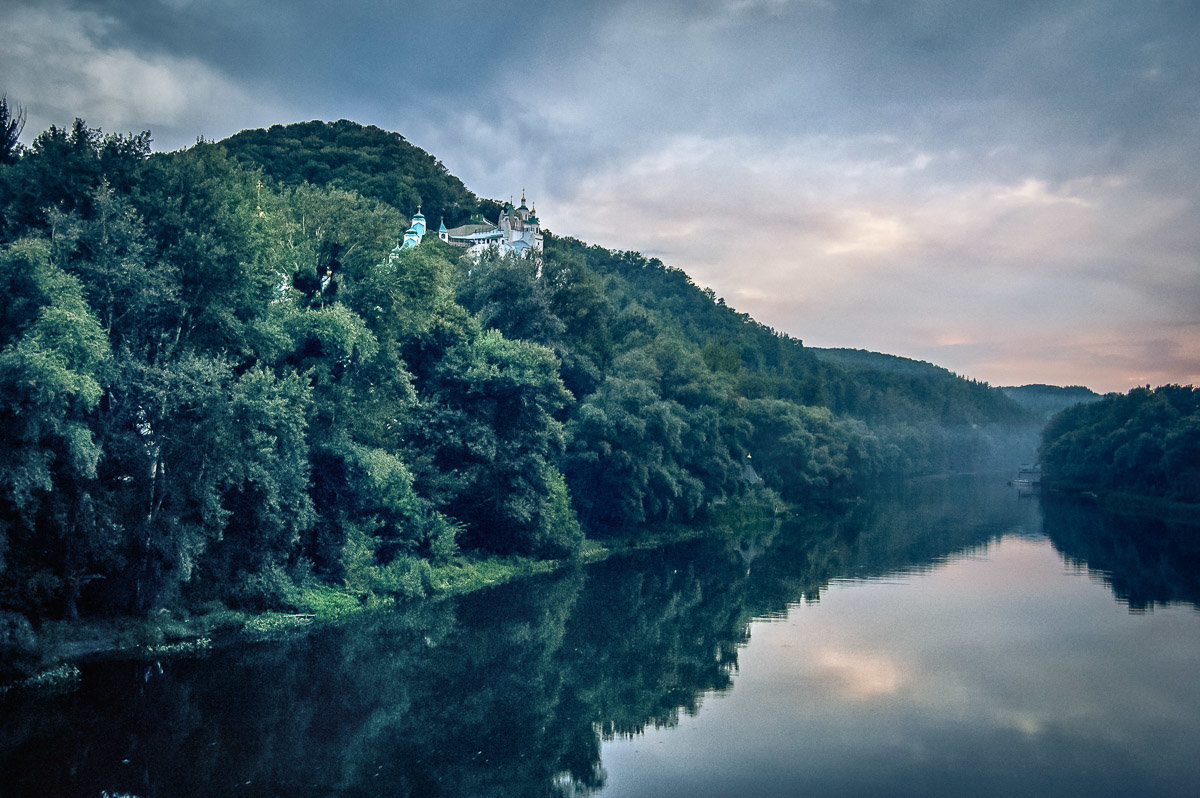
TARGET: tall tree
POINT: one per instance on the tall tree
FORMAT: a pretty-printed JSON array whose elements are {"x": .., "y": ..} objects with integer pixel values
[
  {"x": 489, "y": 419},
  {"x": 52, "y": 356},
  {"x": 12, "y": 122},
  {"x": 202, "y": 210}
]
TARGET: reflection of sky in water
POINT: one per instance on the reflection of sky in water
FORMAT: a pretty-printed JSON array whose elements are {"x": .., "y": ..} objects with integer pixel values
[{"x": 1003, "y": 671}]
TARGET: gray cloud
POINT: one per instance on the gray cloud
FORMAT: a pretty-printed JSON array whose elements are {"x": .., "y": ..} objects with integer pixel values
[
  {"x": 63, "y": 62},
  {"x": 967, "y": 183}
]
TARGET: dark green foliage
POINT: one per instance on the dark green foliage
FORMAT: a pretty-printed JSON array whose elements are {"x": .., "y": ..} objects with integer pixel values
[
  {"x": 207, "y": 474},
  {"x": 887, "y": 388},
  {"x": 806, "y": 452},
  {"x": 331, "y": 237},
  {"x": 375, "y": 163},
  {"x": 201, "y": 212},
  {"x": 488, "y": 420},
  {"x": 557, "y": 302},
  {"x": 625, "y": 457},
  {"x": 61, "y": 170},
  {"x": 52, "y": 357},
  {"x": 264, "y": 488},
  {"x": 12, "y": 122},
  {"x": 135, "y": 296},
  {"x": 1143, "y": 442}
]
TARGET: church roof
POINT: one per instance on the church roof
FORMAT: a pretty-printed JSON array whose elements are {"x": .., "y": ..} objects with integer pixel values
[
  {"x": 482, "y": 235},
  {"x": 467, "y": 229}
]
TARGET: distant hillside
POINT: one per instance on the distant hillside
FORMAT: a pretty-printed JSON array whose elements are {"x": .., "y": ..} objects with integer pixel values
[
  {"x": 1047, "y": 400},
  {"x": 878, "y": 388},
  {"x": 375, "y": 163},
  {"x": 864, "y": 360},
  {"x": 889, "y": 387}
]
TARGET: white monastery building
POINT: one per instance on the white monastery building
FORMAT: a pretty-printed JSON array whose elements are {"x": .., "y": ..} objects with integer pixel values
[{"x": 517, "y": 232}]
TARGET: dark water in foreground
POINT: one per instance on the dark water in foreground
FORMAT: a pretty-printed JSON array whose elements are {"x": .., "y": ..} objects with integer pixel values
[{"x": 948, "y": 637}]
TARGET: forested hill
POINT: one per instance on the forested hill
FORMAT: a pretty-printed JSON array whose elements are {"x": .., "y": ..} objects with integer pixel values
[
  {"x": 899, "y": 387},
  {"x": 869, "y": 385},
  {"x": 375, "y": 163},
  {"x": 222, "y": 382},
  {"x": 864, "y": 360}
]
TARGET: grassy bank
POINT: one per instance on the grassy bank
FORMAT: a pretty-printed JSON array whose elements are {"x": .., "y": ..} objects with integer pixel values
[
  {"x": 47, "y": 654},
  {"x": 39, "y": 657}
]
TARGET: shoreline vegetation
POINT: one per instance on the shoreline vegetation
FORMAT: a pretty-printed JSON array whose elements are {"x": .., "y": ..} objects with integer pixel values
[
  {"x": 59, "y": 646},
  {"x": 1136, "y": 453},
  {"x": 55, "y": 650}
]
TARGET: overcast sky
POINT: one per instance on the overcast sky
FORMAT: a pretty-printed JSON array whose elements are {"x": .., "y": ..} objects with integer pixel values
[{"x": 1010, "y": 189}]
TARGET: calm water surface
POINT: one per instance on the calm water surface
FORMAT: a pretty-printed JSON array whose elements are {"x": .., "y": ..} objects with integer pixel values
[{"x": 946, "y": 637}]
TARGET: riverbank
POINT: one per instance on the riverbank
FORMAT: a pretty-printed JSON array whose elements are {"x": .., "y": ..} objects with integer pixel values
[
  {"x": 1132, "y": 504},
  {"x": 46, "y": 657}
]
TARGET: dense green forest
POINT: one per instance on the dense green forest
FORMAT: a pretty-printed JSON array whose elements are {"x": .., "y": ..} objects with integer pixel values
[
  {"x": 224, "y": 385},
  {"x": 375, "y": 163},
  {"x": 1145, "y": 442}
]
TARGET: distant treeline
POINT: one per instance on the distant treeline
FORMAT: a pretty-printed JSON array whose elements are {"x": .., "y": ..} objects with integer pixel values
[
  {"x": 220, "y": 384},
  {"x": 1145, "y": 442},
  {"x": 1047, "y": 400}
]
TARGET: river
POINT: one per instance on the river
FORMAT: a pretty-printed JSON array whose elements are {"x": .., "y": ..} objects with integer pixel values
[{"x": 944, "y": 637}]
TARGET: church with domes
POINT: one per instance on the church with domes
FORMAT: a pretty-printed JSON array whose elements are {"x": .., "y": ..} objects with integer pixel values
[
  {"x": 517, "y": 232},
  {"x": 415, "y": 231}
]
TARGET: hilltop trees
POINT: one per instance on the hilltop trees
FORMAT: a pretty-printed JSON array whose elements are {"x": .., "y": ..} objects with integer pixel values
[
  {"x": 374, "y": 163},
  {"x": 214, "y": 388}
]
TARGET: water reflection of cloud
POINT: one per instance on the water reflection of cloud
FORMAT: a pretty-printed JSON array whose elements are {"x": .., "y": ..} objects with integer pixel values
[
  {"x": 858, "y": 675},
  {"x": 1001, "y": 666}
]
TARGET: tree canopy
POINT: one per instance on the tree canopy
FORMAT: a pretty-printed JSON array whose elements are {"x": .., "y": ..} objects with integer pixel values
[{"x": 1144, "y": 442}]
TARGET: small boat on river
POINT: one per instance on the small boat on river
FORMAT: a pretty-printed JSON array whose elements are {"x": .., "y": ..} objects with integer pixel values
[{"x": 1028, "y": 477}]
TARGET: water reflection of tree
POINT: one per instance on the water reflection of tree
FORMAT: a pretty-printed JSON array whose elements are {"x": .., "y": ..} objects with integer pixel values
[
  {"x": 1145, "y": 561},
  {"x": 508, "y": 692}
]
